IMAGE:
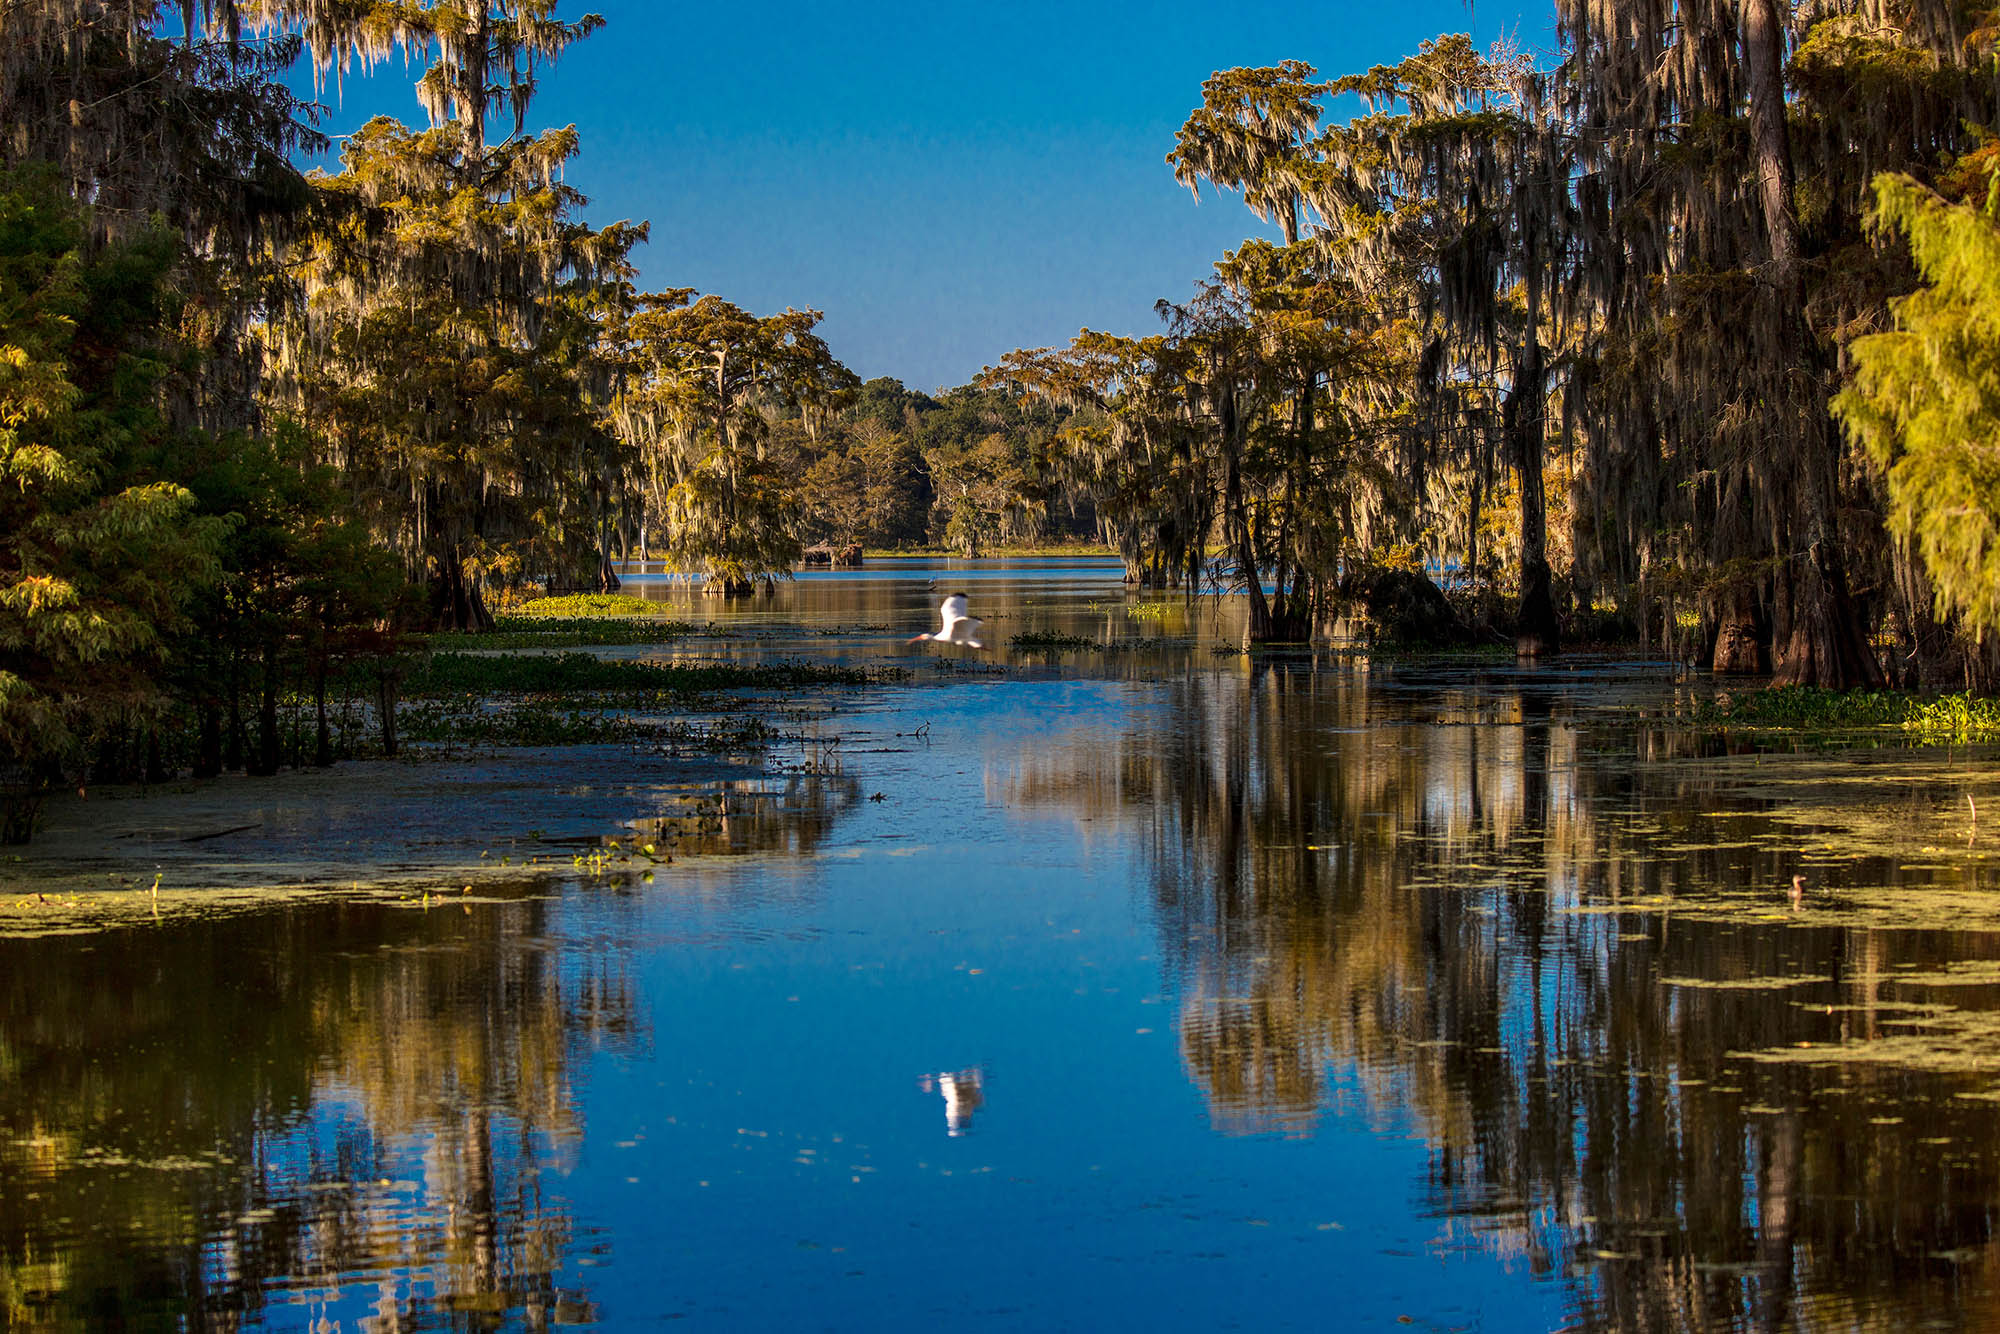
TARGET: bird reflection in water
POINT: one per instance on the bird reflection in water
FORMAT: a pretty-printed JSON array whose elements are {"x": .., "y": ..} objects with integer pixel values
[{"x": 964, "y": 1093}]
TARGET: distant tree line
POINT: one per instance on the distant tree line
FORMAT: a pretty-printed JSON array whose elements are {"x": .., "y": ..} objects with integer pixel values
[{"x": 966, "y": 471}]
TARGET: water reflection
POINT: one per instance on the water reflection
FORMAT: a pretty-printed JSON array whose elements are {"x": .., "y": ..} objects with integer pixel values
[
  {"x": 963, "y": 1091},
  {"x": 866, "y": 617},
  {"x": 1545, "y": 947},
  {"x": 790, "y": 813},
  {"x": 357, "y": 1109},
  {"x": 1560, "y": 948}
]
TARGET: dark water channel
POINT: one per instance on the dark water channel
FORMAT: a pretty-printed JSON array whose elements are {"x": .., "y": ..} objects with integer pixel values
[{"x": 1161, "y": 988}]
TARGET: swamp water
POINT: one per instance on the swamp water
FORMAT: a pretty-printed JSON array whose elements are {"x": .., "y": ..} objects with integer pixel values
[{"x": 1160, "y": 989}]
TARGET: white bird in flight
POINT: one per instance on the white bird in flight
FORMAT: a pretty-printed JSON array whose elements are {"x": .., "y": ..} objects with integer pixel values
[{"x": 956, "y": 626}]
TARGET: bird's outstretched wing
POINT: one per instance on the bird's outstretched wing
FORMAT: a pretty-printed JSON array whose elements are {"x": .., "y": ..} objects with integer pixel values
[{"x": 965, "y": 630}]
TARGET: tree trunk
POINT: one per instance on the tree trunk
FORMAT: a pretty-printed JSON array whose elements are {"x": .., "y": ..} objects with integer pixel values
[
  {"x": 1237, "y": 517},
  {"x": 208, "y": 739},
  {"x": 264, "y": 762},
  {"x": 1535, "y": 633},
  {"x": 156, "y": 767},
  {"x": 473, "y": 78},
  {"x": 1472, "y": 532},
  {"x": 456, "y": 603},
  {"x": 1291, "y": 619},
  {"x": 322, "y": 734},
  {"x": 1827, "y": 645},
  {"x": 1740, "y": 633},
  {"x": 385, "y": 703},
  {"x": 607, "y": 578},
  {"x": 1764, "y": 72},
  {"x": 1824, "y": 643},
  {"x": 234, "y": 750},
  {"x": 1295, "y": 625}
]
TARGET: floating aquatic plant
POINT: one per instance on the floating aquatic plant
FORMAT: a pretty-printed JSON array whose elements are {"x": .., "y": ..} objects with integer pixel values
[
  {"x": 589, "y": 604},
  {"x": 1050, "y": 639},
  {"x": 560, "y": 673},
  {"x": 1810, "y": 708},
  {"x": 517, "y": 632}
]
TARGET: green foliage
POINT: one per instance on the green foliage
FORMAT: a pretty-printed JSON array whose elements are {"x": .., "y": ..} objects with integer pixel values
[
  {"x": 968, "y": 471},
  {"x": 450, "y": 349},
  {"x": 192, "y": 134},
  {"x": 970, "y": 527},
  {"x": 242, "y": 413},
  {"x": 1250, "y": 432},
  {"x": 1605, "y": 292},
  {"x": 870, "y": 485},
  {"x": 1957, "y": 717},
  {"x": 694, "y": 404},
  {"x": 987, "y": 452},
  {"x": 1925, "y": 400},
  {"x": 98, "y": 556},
  {"x": 887, "y": 403},
  {"x": 304, "y": 590},
  {"x": 1243, "y": 134}
]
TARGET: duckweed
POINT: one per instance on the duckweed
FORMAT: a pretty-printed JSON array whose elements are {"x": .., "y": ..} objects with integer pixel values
[
  {"x": 1812, "y": 708},
  {"x": 560, "y": 673}
]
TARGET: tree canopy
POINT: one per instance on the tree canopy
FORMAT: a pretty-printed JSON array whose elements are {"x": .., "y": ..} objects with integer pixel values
[
  {"x": 1683, "y": 333},
  {"x": 1617, "y": 292},
  {"x": 1925, "y": 399},
  {"x": 245, "y": 408}
]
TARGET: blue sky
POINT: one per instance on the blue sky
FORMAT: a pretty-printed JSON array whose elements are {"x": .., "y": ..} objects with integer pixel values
[{"x": 946, "y": 182}]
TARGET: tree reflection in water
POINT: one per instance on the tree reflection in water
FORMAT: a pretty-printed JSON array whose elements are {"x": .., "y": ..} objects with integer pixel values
[
  {"x": 790, "y": 814},
  {"x": 1441, "y": 909},
  {"x": 354, "y": 1107},
  {"x": 211, "y": 1116}
]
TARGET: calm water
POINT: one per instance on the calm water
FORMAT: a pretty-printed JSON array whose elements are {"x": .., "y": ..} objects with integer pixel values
[{"x": 1159, "y": 989}]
